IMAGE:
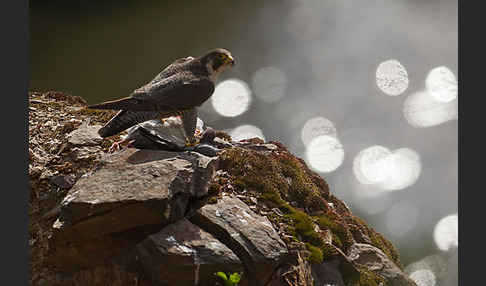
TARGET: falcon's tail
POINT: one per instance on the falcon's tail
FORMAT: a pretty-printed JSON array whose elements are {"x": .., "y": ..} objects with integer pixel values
[
  {"x": 119, "y": 104},
  {"x": 126, "y": 119}
]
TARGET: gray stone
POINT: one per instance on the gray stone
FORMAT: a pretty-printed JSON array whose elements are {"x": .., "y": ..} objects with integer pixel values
[
  {"x": 158, "y": 135},
  {"x": 85, "y": 136},
  {"x": 197, "y": 254},
  {"x": 221, "y": 143},
  {"x": 248, "y": 235},
  {"x": 207, "y": 150},
  {"x": 375, "y": 260},
  {"x": 169, "y": 135},
  {"x": 64, "y": 181},
  {"x": 261, "y": 147}
]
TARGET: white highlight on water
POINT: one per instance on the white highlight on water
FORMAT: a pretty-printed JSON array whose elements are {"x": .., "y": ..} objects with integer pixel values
[
  {"x": 317, "y": 126},
  {"x": 421, "y": 109},
  {"x": 369, "y": 164},
  {"x": 325, "y": 153},
  {"x": 441, "y": 83},
  {"x": 446, "y": 233},
  {"x": 403, "y": 168},
  {"x": 391, "y": 77},
  {"x": 246, "y": 132},
  {"x": 378, "y": 166},
  {"x": 231, "y": 97},
  {"x": 423, "y": 277}
]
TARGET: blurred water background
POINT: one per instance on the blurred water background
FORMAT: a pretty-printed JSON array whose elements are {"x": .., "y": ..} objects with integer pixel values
[{"x": 364, "y": 91}]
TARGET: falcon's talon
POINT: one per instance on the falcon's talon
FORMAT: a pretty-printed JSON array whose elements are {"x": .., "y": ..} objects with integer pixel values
[
  {"x": 114, "y": 147},
  {"x": 190, "y": 143},
  {"x": 118, "y": 145},
  {"x": 198, "y": 133}
]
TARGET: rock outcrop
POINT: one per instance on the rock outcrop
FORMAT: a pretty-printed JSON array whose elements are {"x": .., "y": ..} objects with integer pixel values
[{"x": 160, "y": 213}]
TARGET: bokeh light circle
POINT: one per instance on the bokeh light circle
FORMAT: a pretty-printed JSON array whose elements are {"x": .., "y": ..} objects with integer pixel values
[
  {"x": 422, "y": 110},
  {"x": 231, "y": 98},
  {"x": 325, "y": 153},
  {"x": 246, "y": 132},
  {"x": 441, "y": 83},
  {"x": 368, "y": 165},
  {"x": 391, "y": 77},
  {"x": 446, "y": 233},
  {"x": 389, "y": 171},
  {"x": 402, "y": 167},
  {"x": 315, "y": 127},
  {"x": 423, "y": 277},
  {"x": 269, "y": 84}
]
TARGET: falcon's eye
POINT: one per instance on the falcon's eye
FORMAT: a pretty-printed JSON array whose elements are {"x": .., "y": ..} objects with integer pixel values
[
  {"x": 225, "y": 58},
  {"x": 218, "y": 62}
]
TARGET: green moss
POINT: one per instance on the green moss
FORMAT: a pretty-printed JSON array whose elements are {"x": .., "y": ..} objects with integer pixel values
[
  {"x": 213, "y": 192},
  {"x": 267, "y": 176},
  {"x": 301, "y": 188},
  {"x": 279, "y": 178},
  {"x": 305, "y": 228},
  {"x": 368, "y": 278},
  {"x": 328, "y": 250},
  {"x": 316, "y": 254},
  {"x": 342, "y": 238}
]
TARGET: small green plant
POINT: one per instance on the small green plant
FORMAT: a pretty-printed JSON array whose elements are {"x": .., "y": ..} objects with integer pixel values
[{"x": 231, "y": 280}]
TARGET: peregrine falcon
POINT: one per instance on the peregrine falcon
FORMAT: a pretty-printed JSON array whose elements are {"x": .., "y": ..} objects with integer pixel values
[{"x": 176, "y": 91}]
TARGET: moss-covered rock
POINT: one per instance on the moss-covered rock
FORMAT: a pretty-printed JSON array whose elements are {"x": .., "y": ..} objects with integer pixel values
[{"x": 309, "y": 211}]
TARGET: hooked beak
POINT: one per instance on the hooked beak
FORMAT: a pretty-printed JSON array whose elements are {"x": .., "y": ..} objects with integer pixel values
[{"x": 231, "y": 60}]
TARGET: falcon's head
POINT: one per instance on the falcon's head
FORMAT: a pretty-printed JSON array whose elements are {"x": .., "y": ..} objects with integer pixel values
[{"x": 217, "y": 61}]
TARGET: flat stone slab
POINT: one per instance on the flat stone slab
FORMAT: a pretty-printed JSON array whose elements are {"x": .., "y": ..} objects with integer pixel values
[{"x": 85, "y": 136}]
